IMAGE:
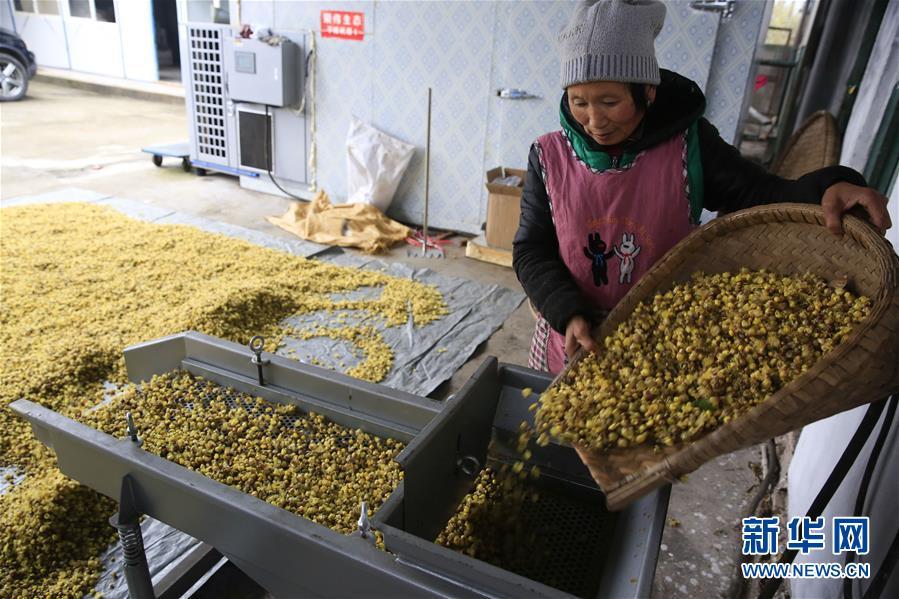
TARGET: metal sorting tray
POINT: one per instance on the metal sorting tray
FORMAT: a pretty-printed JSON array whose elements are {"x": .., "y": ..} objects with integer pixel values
[
  {"x": 614, "y": 555},
  {"x": 582, "y": 549}
]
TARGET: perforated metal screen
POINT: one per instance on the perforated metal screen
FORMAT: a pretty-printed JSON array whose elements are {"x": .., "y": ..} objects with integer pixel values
[
  {"x": 208, "y": 393},
  {"x": 563, "y": 540},
  {"x": 573, "y": 534},
  {"x": 207, "y": 89}
]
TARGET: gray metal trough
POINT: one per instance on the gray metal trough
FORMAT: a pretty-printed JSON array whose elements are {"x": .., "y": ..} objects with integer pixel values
[{"x": 594, "y": 553}]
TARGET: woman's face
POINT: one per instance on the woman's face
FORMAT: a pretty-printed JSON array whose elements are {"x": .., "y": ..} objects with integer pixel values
[{"x": 606, "y": 110}]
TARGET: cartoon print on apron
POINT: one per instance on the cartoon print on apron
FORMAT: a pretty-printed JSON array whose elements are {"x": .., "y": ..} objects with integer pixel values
[
  {"x": 612, "y": 225},
  {"x": 595, "y": 250},
  {"x": 627, "y": 252}
]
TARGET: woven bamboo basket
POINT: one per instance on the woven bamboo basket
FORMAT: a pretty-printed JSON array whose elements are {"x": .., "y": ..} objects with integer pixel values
[
  {"x": 814, "y": 145},
  {"x": 788, "y": 239}
]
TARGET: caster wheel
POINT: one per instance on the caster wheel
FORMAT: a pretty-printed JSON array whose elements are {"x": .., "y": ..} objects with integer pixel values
[
  {"x": 157, "y": 159},
  {"x": 201, "y": 172},
  {"x": 185, "y": 165}
]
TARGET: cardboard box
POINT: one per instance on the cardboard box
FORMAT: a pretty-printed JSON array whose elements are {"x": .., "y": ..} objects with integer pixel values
[{"x": 503, "y": 207}]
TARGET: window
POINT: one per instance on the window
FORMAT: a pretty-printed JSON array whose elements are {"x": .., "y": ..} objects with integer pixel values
[
  {"x": 788, "y": 23},
  {"x": 105, "y": 10},
  {"x": 48, "y": 7},
  {"x": 80, "y": 8},
  {"x": 43, "y": 7},
  {"x": 99, "y": 10},
  {"x": 24, "y": 5},
  {"x": 208, "y": 11}
]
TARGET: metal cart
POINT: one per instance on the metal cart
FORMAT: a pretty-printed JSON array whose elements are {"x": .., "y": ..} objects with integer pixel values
[{"x": 176, "y": 150}]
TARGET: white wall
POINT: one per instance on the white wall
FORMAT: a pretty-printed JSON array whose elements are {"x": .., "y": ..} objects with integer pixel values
[
  {"x": 45, "y": 35},
  {"x": 95, "y": 47},
  {"x": 6, "y": 20},
  {"x": 135, "y": 18},
  {"x": 125, "y": 48},
  {"x": 732, "y": 71},
  {"x": 462, "y": 51},
  {"x": 693, "y": 43}
]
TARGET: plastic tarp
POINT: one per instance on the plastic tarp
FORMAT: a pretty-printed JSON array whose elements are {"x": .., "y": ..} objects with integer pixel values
[
  {"x": 879, "y": 81},
  {"x": 426, "y": 356},
  {"x": 819, "y": 448},
  {"x": 822, "y": 443}
]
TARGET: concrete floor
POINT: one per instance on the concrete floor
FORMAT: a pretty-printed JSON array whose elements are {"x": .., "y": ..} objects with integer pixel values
[{"x": 65, "y": 137}]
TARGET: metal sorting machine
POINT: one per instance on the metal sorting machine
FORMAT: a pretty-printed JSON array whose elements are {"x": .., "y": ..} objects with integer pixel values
[{"x": 589, "y": 551}]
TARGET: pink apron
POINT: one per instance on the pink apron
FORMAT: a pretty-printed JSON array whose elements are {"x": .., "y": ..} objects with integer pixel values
[{"x": 612, "y": 225}]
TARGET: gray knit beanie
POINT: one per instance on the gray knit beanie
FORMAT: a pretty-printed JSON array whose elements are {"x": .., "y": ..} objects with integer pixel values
[{"x": 612, "y": 40}]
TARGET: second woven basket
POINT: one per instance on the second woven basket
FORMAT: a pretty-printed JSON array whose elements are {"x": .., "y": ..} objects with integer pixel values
[{"x": 789, "y": 239}]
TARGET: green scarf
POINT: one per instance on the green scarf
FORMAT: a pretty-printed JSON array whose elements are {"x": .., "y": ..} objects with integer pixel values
[
  {"x": 602, "y": 161},
  {"x": 595, "y": 159}
]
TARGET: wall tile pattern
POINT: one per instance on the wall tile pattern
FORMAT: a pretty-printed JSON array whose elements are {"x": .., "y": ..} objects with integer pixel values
[
  {"x": 445, "y": 46},
  {"x": 527, "y": 58},
  {"x": 466, "y": 51},
  {"x": 732, "y": 66}
]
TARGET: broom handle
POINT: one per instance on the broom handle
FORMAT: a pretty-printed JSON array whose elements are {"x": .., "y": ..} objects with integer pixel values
[{"x": 424, "y": 246}]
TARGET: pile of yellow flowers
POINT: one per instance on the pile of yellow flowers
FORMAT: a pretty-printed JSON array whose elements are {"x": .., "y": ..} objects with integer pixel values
[
  {"x": 79, "y": 284},
  {"x": 300, "y": 462},
  {"x": 697, "y": 356},
  {"x": 487, "y": 524}
]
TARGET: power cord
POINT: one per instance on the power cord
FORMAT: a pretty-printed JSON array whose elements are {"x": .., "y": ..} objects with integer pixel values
[
  {"x": 858, "y": 440},
  {"x": 302, "y": 105},
  {"x": 310, "y": 57},
  {"x": 885, "y": 427},
  {"x": 268, "y": 159}
]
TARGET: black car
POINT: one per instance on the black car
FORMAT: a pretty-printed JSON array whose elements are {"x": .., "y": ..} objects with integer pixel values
[{"x": 17, "y": 66}]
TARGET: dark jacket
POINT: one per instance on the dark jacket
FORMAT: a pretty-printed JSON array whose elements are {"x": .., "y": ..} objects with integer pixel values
[{"x": 730, "y": 183}]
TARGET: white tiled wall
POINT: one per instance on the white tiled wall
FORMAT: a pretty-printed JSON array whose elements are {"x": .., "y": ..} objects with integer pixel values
[
  {"x": 731, "y": 66},
  {"x": 447, "y": 46},
  {"x": 466, "y": 51}
]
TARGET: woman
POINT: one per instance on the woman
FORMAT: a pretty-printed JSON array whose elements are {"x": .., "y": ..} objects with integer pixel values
[{"x": 628, "y": 175}]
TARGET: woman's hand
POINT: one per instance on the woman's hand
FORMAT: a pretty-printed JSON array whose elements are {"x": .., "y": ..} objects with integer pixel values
[
  {"x": 839, "y": 198},
  {"x": 577, "y": 334}
]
